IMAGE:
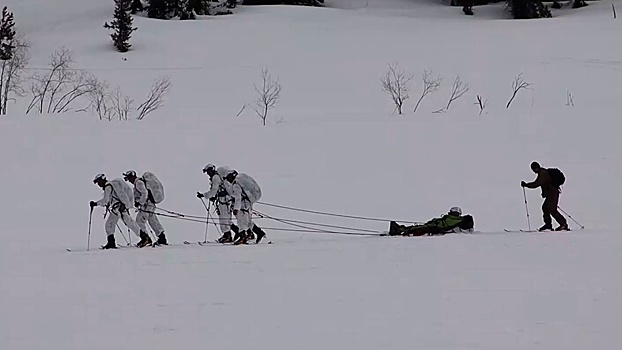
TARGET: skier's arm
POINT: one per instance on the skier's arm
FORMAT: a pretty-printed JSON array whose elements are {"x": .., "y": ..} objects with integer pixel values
[
  {"x": 107, "y": 193},
  {"x": 536, "y": 183},
  {"x": 236, "y": 193},
  {"x": 142, "y": 191},
  {"x": 216, "y": 181}
]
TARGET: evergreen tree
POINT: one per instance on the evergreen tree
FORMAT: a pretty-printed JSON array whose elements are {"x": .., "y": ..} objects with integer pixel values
[
  {"x": 122, "y": 25},
  {"x": 7, "y": 35},
  {"x": 163, "y": 9},
  {"x": 526, "y": 9},
  {"x": 137, "y": 6}
]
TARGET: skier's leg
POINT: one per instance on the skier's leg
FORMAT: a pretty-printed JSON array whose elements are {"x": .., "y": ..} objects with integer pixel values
[
  {"x": 553, "y": 202},
  {"x": 110, "y": 226},
  {"x": 155, "y": 224},
  {"x": 224, "y": 217},
  {"x": 130, "y": 223}
]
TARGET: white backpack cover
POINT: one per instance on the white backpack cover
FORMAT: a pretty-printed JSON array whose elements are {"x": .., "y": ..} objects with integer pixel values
[
  {"x": 154, "y": 186},
  {"x": 123, "y": 192},
  {"x": 250, "y": 187}
]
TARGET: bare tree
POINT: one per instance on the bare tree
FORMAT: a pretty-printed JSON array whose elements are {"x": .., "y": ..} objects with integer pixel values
[
  {"x": 268, "y": 93},
  {"x": 481, "y": 103},
  {"x": 121, "y": 104},
  {"x": 431, "y": 83},
  {"x": 396, "y": 83},
  {"x": 155, "y": 98},
  {"x": 11, "y": 70},
  {"x": 99, "y": 100},
  {"x": 57, "y": 89},
  {"x": 569, "y": 98},
  {"x": 458, "y": 89},
  {"x": 518, "y": 85}
]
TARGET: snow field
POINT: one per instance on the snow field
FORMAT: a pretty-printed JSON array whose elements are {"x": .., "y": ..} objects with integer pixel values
[{"x": 340, "y": 150}]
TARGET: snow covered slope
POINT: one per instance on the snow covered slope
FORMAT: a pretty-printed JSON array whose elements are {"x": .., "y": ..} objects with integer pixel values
[{"x": 337, "y": 148}]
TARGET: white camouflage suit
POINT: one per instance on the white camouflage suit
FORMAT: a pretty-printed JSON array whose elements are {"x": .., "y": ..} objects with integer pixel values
[
  {"x": 115, "y": 209},
  {"x": 243, "y": 206},
  {"x": 222, "y": 199},
  {"x": 146, "y": 208}
]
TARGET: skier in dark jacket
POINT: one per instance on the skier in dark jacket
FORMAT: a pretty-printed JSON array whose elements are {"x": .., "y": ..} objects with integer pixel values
[
  {"x": 550, "y": 193},
  {"x": 451, "y": 222}
]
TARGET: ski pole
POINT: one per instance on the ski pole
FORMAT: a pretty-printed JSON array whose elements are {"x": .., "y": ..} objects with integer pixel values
[
  {"x": 527, "y": 209},
  {"x": 207, "y": 208},
  {"x": 122, "y": 235},
  {"x": 568, "y": 215},
  {"x": 88, "y": 240}
]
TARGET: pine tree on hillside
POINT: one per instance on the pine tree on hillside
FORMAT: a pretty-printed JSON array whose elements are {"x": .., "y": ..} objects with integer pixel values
[
  {"x": 526, "y": 9},
  {"x": 137, "y": 6},
  {"x": 122, "y": 25},
  {"x": 7, "y": 35},
  {"x": 163, "y": 9}
]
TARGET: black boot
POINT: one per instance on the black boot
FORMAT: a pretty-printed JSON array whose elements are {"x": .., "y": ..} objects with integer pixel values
[
  {"x": 162, "y": 239},
  {"x": 226, "y": 238},
  {"x": 235, "y": 228},
  {"x": 562, "y": 227},
  {"x": 259, "y": 232},
  {"x": 242, "y": 238},
  {"x": 394, "y": 229},
  {"x": 145, "y": 240},
  {"x": 111, "y": 243},
  {"x": 546, "y": 227},
  {"x": 250, "y": 235}
]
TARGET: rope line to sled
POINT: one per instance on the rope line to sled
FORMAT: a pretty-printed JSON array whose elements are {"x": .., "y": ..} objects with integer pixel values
[
  {"x": 294, "y": 223},
  {"x": 335, "y": 215}
]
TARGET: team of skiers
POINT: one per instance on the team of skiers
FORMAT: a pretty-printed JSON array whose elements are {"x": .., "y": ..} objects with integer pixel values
[
  {"x": 234, "y": 194},
  {"x": 231, "y": 193}
]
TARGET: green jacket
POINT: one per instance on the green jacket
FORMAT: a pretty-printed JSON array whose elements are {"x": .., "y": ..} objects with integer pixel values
[{"x": 445, "y": 223}]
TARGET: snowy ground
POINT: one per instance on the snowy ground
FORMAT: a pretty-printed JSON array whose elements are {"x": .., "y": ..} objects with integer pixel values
[{"x": 338, "y": 148}]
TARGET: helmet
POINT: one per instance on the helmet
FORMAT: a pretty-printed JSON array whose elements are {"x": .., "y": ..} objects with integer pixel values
[
  {"x": 99, "y": 177},
  {"x": 456, "y": 210},
  {"x": 232, "y": 172},
  {"x": 129, "y": 173},
  {"x": 208, "y": 167}
]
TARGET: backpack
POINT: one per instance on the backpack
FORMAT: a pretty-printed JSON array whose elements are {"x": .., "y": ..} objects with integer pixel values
[
  {"x": 154, "y": 187},
  {"x": 466, "y": 223},
  {"x": 557, "y": 177},
  {"x": 249, "y": 187},
  {"x": 123, "y": 192}
]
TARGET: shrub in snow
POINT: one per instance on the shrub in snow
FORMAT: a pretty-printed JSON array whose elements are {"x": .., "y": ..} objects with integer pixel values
[{"x": 122, "y": 25}]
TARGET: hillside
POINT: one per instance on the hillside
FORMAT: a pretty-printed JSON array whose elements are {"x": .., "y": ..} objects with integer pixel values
[{"x": 332, "y": 144}]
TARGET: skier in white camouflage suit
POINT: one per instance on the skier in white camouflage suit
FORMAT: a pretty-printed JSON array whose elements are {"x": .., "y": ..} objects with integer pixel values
[
  {"x": 117, "y": 199},
  {"x": 146, "y": 206},
  {"x": 245, "y": 192},
  {"x": 222, "y": 200}
]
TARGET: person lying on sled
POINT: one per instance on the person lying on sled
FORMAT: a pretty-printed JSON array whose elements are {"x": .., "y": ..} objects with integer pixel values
[{"x": 452, "y": 222}]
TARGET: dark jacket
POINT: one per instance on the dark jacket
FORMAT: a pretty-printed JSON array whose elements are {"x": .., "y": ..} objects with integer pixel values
[{"x": 544, "y": 182}]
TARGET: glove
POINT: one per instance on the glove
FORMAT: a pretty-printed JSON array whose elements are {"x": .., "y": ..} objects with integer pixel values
[
  {"x": 235, "y": 212},
  {"x": 523, "y": 184},
  {"x": 200, "y": 195},
  {"x": 93, "y": 204},
  {"x": 136, "y": 204}
]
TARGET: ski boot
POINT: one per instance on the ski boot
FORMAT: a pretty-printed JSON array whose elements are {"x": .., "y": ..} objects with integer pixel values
[
  {"x": 546, "y": 227},
  {"x": 563, "y": 227},
  {"x": 394, "y": 229},
  {"x": 226, "y": 238},
  {"x": 161, "y": 239},
  {"x": 259, "y": 232},
  {"x": 242, "y": 238},
  {"x": 145, "y": 240},
  {"x": 250, "y": 235},
  {"x": 111, "y": 244}
]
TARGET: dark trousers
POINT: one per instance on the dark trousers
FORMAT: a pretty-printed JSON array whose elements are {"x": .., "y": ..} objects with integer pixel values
[{"x": 549, "y": 208}]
